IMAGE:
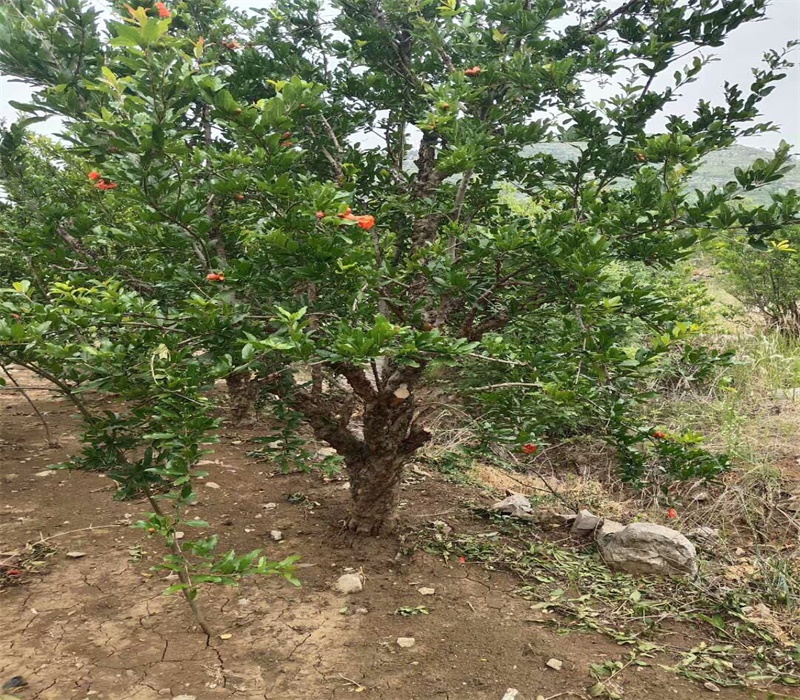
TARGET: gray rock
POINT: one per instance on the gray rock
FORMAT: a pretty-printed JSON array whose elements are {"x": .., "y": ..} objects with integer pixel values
[
  {"x": 349, "y": 583},
  {"x": 516, "y": 504},
  {"x": 511, "y": 694},
  {"x": 406, "y": 642},
  {"x": 787, "y": 394},
  {"x": 555, "y": 664},
  {"x": 705, "y": 534},
  {"x": 646, "y": 548},
  {"x": 585, "y": 523},
  {"x": 276, "y": 535},
  {"x": 609, "y": 527}
]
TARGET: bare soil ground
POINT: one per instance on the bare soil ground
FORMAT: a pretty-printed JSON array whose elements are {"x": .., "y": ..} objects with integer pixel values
[{"x": 98, "y": 626}]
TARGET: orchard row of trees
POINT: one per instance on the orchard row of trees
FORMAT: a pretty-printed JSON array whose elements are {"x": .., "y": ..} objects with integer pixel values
[{"x": 322, "y": 204}]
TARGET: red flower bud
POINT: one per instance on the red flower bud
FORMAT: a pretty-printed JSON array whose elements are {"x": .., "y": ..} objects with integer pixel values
[
  {"x": 530, "y": 449},
  {"x": 659, "y": 435},
  {"x": 320, "y": 214},
  {"x": 215, "y": 277},
  {"x": 94, "y": 175},
  {"x": 672, "y": 513}
]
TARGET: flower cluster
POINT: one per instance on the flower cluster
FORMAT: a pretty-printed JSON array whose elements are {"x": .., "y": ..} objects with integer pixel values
[
  {"x": 100, "y": 183},
  {"x": 365, "y": 221}
]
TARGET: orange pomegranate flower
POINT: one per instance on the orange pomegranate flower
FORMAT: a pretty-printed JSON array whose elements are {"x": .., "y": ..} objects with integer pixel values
[
  {"x": 672, "y": 513},
  {"x": 475, "y": 70},
  {"x": 239, "y": 196},
  {"x": 530, "y": 449},
  {"x": 215, "y": 277},
  {"x": 94, "y": 175},
  {"x": 365, "y": 221},
  {"x": 320, "y": 214},
  {"x": 163, "y": 10},
  {"x": 659, "y": 435},
  {"x": 104, "y": 185}
]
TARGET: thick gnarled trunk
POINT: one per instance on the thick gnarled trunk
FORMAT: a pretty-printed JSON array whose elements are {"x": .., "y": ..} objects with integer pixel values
[
  {"x": 392, "y": 432},
  {"x": 375, "y": 489}
]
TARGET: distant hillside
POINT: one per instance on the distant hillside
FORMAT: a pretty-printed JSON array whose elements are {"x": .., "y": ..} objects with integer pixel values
[{"x": 716, "y": 170}]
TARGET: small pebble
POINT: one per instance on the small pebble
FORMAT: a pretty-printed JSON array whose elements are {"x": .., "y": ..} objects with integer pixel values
[
  {"x": 75, "y": 555},
  {"x": 406, "y": 642},
  {"x": 555, "y": 664},
  {"x": 276, "y": 535},
  {"x": 212, "y": 485},
  {"x": 426, "y": 591}
]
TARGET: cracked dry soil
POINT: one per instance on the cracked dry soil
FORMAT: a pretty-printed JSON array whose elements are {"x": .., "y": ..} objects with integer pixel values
[{"x": 99, "y": 627}]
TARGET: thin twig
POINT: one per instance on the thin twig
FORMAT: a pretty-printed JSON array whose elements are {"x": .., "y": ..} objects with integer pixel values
[
  {"x": 352, "y": 682},
  {"x": 61, "y": 534},
  {"x": 505, "y": 385},
  {"x": 183, "y": 573},
  {"x": 50, "y": 442}
]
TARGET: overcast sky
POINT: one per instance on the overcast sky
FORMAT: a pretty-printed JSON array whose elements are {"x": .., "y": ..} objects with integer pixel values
[{"x": 736, "y": 58}]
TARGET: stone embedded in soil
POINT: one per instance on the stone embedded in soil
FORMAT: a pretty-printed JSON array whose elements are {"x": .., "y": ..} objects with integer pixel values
[
  {"x": 511, "y": 694},
  {"x": 212, "y": 485},
  {"x": 276, "y": 535},
  {"x": 349, "y": 583},
  {"x": 75, "y": 555},
  {"x": 585, "y": 523},
  {"x": 609, "y": 527},
  {"x": 270, "y": 506},
  {"x": 516, "y": 504},
  {"x": 426, "y": 591},
  {"x": 705, "y": 533},
  {"x": 185, "y": 697},
  {"x": 555, "y": 664},
  {"x": 46, "y": 472},
  {"x": 647, "y": 548},
  {"x": 406, "y": 642}
]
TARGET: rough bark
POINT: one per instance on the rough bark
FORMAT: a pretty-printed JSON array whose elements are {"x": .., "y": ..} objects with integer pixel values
[
  {"x": 375, "y": 489},
  {"x": 392, "y": 432},
  {"x": 242, "y": 395}
]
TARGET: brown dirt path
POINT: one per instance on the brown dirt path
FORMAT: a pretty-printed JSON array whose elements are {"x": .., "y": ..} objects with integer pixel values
[{"x": 99, "y": 627}]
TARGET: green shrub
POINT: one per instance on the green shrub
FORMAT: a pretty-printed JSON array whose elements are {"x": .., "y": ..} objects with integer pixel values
[{"x": 767, "y": 277}]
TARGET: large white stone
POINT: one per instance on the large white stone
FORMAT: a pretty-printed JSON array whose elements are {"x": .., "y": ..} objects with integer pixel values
[{"x": 646, "y": 548}]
